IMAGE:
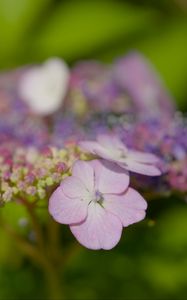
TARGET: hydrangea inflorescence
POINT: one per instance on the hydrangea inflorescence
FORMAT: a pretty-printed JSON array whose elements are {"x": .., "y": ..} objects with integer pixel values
[
  {"x": 76, "y": 137},
  {"x": 33, "y": 174}
]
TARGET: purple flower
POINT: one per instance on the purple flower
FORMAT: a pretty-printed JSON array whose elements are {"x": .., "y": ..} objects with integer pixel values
[
  {"x": 96, "y": 202},
  {"x": 94, "y": 87},
  {"x": 138, "y": 78},
  {"x": 111, "y": 148}
]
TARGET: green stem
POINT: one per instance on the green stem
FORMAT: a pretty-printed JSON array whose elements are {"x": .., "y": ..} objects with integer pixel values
[
  {"x": 36, "y": 226},
  {"x": 39, "y": 258},
  {"x": 53, "y": 240},
  {"x": 52, "y": 275},
  {"x": 49, "y": 252},
  {"x": 46, "y": 253}
]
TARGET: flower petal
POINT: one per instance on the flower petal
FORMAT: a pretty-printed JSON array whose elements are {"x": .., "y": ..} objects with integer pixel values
[
  {"x": 100, "y": 230},
  {"x": 109, "y": 177},
  {"x": 89, "y": 146},
  {"x": 74, "y": 188},
  {"x": 97, "y": 149},
  {"x": 44, "y": 87},
  {"x": 84, "y": 171},
  {"x": 129, "y": 207},
  {"x": 140, "y": 168},
  {"x": 67, "y": 210},
  {"x": 111, "y": 142},
  {"x": 142, "y": 157}
]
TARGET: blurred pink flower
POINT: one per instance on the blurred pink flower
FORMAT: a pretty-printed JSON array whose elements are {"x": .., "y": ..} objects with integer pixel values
[
  {"x": 111, "y": 148},
  {"x": 96, "y": 202},
  {"x": 135, "y": 74}
]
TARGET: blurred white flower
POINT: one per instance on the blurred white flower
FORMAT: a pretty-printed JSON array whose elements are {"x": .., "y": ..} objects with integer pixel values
[{"x": 44, "y": 87}]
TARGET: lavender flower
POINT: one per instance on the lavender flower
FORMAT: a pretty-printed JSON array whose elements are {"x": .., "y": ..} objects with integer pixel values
[
  {"x": 96, "y": 202},
  {"x": 138, "y": 78},
  {"x": 94, "y": 88},
  {"x": 110, "y": 147}
]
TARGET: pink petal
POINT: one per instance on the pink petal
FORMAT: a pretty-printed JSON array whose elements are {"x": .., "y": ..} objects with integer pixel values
[
  {"x": 142, "y": 157},
  {"x": 97, "y": 149},
  {"x": 141, "y": 168},
  {"x": 100, "y": 230},
  {"x": 89, "y": 146},
  {"x": 74, "y": 188},
  {"x": 110, "y": 178},
  {"x": 111, "y": 142},
  {"x": 67, "y": 210},
  {"x": 129, "y": 207},
  {"x": 84, "y": 171},
  {"x": 106, "y": 153}
]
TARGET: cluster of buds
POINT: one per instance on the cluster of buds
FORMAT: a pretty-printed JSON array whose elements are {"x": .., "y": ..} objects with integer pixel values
[{"x": 32, "y": 174}]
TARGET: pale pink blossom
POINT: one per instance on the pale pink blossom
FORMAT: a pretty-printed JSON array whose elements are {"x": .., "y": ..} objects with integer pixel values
[
  {"x": 135, "y": 74},
  {"x": 97, "y": 202},
  {"x": 111, "y": 148},
  {"x": 44, "y": 87}
]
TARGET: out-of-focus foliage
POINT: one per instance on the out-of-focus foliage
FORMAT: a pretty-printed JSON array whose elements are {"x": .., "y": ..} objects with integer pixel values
[{"x": 151, "y": 261}]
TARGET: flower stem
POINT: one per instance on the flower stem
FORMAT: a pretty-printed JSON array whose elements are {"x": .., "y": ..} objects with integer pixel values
[
  {"x": 40, "y": 257},
  {"x": 52, "y": 276},
  {"x": 36, "y": 226}
]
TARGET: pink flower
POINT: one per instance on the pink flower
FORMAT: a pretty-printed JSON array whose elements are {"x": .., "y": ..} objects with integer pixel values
[
  {"x": 135, "y": 74},
  {"x": 111, "y": 148},
  {"x": 97, "y": 203}
]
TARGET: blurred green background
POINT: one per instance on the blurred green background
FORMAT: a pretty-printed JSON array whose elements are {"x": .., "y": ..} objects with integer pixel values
[{"x": 151, "y": 260}]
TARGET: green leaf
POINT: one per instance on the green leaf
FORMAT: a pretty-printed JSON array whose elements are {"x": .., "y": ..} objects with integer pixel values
[
  {"x": 16, "y": 19},
  {"x": 167, "y": 50},
  {"x": 78, "y": 28},
  {"x": 12, "y": 212}
]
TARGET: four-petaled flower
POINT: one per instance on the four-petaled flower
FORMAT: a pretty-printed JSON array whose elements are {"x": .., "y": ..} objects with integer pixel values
[
  {"x": 97, "y": 202},
  {"x": 111, "y": 148}
]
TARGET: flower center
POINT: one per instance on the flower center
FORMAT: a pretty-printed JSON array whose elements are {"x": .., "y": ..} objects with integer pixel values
[{"x": 98, "y": 197}]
